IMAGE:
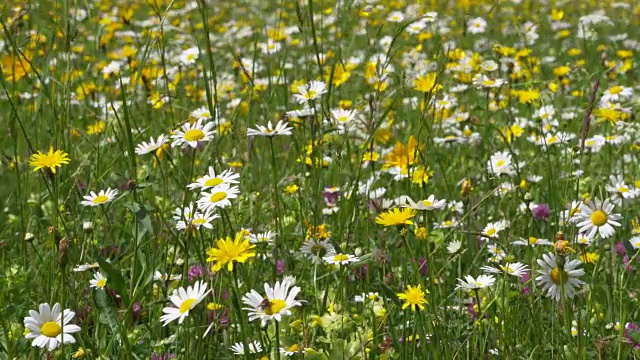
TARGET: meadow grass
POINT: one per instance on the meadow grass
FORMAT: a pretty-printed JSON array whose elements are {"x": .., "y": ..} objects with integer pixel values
[{"x": 353, "y": 179}]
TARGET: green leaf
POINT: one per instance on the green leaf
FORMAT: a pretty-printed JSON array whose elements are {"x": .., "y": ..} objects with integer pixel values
[
  {"x": 108, "y": 314},
  {"x": 390, "y": 294},
  {"x": 115, "y": 280}
]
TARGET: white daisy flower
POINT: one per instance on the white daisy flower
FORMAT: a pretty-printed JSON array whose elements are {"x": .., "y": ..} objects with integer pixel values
[
  {"x": 311, "y": 91},
  {"x": 85, "y": 267},
  {"x": 102, "y": 197},
  {"x": 189, "y": 56},
  {"x": 598, "y": 218},
  {"x": 218, "y": 196},
  {"x": 454, "y": 246},
  {"x": 482, "y": 81},
  {"x": 184, "y": 214},
  {"x": 371, "y": 296},
  {"x": 292, "y": 350},
  {"x": 493, "y": 228},
  {"x": 198, "y": 220},
  {"x": 532, "y": 241},
  {"x": 238, "y": 348},
  {"x": 98, "y": 281},
  {"x": 211, "y": 179},
  {"x": 476, "y": 25},
  {"x": 158, "y": 276},
  {"x": 429, "y": 204},
  {"x": 617, "y": 187},
  {"x": 583, "y": 239},
  {"x": 49, "y": 327},
  {"x": 183, "y": 301},
  {"x": 446, "y": 224},
  {"x": 151, "y": 146},
  {"x": 340, "y": 259},
  {"x": 516, "y": 269},
  {"x": 635, "y": 242},
  {"x": 265, "y": 237},
  {"x": 617, "y": 94},
  {"x": 497, "y": 254},
  {"x": 546, "y": 112},
  {"x": 500, "y": 163},
  {"x": 558, "y": 282},
  {"x": 316, "y": 250},
  {"x": 270, "y": 47},
  {"x": 481, "y": 282},
  {"x": 191, "y": 134},
  {"x": 395, "y": 16},
  {"x": 201, "y": 113},
  {"x": 277, "y": 302},
  {"x": 281, "y": 129}
]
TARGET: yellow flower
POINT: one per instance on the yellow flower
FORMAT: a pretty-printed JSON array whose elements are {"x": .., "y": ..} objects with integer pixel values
[
  {"x": 79, "y": 353},
  {"x": 421, "y": 175},
  {"x": 291, "y": 189},
  {"x": 421, "y": 233},
  {"x": 228, "y": 251},
  {"x": 397, "y": 216},
  {"x": 528, "y": 96},
  {"x": 96, "y": 128},
  {"x": 214, "y": 306},
  {"x": 589, "y": 257},
  {"x": 50, "y": 160},
  {"x": 414, "y": 296},
  {"x": 426, "y": 83},
  {"x": 561, "y": 71}
]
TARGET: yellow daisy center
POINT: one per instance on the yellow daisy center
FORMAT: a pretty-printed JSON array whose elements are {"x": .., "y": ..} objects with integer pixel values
[
  {"x": 426, "y": 203},
  {"x": 599, "y": 218},
  {"x": 187, "y": 305},
  {"x": 340, "y": 257},
  {"x": 615, "y": 90},
  {"x": 101, "y": 199},
  {"x": 199, "y": 221},
  {"x": 491, "y": 232},
  {"x": 500, "y": 163},
  {"x": 219, "y": 196},
  {"x": 623, "y": 189},
  {"x": 275, "y": 306},
  {"x": 194, "y": 135},
  {"x": 213, "y": 182},
  {"x": 560, "y": 277},
  {"x": 311, "y": 94},
  {"x": 101, "y": 283},
  {"x": 51, "y": 329},
  {"x": 533, "y": 240}
]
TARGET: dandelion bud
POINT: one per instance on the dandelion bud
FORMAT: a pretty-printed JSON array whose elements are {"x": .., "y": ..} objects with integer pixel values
[
  {"x": 63, "y": 248},
  {"x": 563, "y": 247},
  {"x": 466, "y": 188}
]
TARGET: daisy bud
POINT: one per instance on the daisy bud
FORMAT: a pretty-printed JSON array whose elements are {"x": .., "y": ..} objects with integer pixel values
[{"x": 87, "y": 227}]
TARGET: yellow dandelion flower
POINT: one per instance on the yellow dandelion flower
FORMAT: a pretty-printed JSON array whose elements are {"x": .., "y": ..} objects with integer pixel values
[
  {"x": 50, "y": 160},
  {"x": 396, "y": 216},
  {"x": 414, "y": 297},
  {"x": 228, "y": 251},
  {"x": 426, "y": 83}
]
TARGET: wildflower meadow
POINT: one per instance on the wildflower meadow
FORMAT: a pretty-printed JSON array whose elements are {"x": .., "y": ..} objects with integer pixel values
[{"x": 319, "y": 179}]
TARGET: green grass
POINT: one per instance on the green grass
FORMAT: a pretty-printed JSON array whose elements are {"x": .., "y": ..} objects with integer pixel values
[{"x": 56, "y": 94}]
